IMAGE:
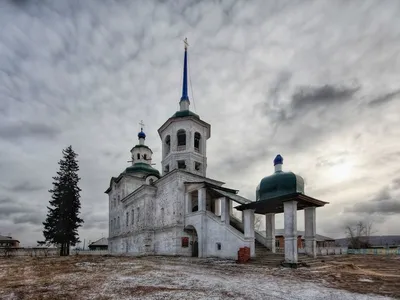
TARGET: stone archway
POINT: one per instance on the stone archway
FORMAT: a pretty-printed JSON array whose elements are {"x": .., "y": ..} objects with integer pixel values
[{"x": 194, "y": 240}]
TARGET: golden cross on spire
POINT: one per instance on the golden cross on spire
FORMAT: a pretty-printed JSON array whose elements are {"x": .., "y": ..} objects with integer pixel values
[
  {"x": 186, "y": 43},
  {"x": 141, "y": 124}
]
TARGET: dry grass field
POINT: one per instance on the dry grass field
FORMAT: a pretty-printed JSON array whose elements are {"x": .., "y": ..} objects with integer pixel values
[{"x": 96, "y": 277}]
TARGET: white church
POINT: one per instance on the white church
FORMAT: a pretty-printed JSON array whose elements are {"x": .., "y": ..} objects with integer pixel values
[{"x": 183, "y": 212}]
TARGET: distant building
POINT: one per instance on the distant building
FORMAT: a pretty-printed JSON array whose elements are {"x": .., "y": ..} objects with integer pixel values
[
  {"x": 321, "y": 241},
  {"x": 101, "y": 244},
  {"x": 384, "y": 241},
  {"x": 8, "y": 241}
]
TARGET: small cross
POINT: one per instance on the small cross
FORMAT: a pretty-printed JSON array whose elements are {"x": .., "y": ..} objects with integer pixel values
[
  {"x": 141, "y": 124},
  {"x": 186, "y": 43}
]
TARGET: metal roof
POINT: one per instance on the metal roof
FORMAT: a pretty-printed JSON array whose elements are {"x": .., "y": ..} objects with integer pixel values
[{"x": 101, "y": 242}]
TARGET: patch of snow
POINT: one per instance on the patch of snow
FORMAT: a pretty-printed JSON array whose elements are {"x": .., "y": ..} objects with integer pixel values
[{"x": 365, "y": 280}]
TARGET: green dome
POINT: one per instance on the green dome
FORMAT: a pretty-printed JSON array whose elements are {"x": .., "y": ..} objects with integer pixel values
[
  {"x": 142, "y": 168},
  {"x": 279, "y": 184}
]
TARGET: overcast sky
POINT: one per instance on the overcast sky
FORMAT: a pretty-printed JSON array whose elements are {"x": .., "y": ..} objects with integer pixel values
[{"x": 316, "y": 81}]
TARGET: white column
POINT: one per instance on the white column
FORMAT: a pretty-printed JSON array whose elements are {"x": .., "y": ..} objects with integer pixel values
[
  {"x": 290, "y": 216},
  {"x": 248, "y": 223},
  {"x": 270, "y": 231},
  {"x": 202, "y": 199},
  {"x": 230, "y": 207},
  {"x": 225, "y": 210},
  {"x": 188, "y": 203},
  {"x": 310, "y": 231}
]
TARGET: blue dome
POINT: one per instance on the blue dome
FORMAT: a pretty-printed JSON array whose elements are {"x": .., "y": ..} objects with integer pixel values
[
  {"x": 141, "y": 135},
  {"x": 278, "y": 160}
]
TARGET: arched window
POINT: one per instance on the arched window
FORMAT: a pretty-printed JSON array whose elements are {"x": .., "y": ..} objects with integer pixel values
[
  {"x": 145, "y": 156},
  {"x": 127, "y": 219},
  {"x": 138, "y": 156},
  {"x": 151, "y": 180},
  {"x": 181, "y": 135},
  {"x": 118, "y": 223},
  {"x": 197, "y": 140},
  {"x": 133, "y": 216},
  {"x": 167, "y": 144}
]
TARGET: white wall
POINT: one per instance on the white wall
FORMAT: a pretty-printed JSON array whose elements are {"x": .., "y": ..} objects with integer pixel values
[{"x": 211, "y": 230}]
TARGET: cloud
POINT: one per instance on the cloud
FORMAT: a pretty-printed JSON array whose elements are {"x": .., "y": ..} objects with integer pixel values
[
  {"x": 384, "y": 99},
  {"x": 8, "y": 209},
  {"x": 6, "y": 200},
  {"x": 327, "y": 94},
  {"x": 385, "y": 201},
  {"x": 95, "y": 221},
  {"x": 28, "y": 219},
  {"x": 22, "y": 129},
  {"x": 24, "y": 187}
]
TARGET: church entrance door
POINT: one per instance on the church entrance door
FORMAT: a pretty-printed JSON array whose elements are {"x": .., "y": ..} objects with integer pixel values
[
  {"x": 195, "y": 249},
  {"x": 194, "y": 244}
]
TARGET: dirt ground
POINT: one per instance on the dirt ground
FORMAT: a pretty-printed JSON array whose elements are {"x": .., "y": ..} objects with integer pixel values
[{"x": 96, "y": 277}]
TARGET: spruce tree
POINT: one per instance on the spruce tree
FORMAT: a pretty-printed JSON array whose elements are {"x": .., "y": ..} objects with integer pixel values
[{"x": 62, "y": 222}]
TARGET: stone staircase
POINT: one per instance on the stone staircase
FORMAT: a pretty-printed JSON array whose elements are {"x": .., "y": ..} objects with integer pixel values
[{"x": 265, "y": 257}]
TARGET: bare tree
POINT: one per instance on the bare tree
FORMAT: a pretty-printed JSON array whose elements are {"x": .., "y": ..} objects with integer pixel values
[
  {"x": 257, "y": 222},
  {"x": 358, "y": 234}
]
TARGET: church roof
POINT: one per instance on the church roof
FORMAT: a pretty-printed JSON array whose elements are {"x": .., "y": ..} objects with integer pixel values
[
  {"x": 275, "y": 205},
  {"x": 142, "y": 168},
  {"x": 280, "y": 183},
  {"x": 130, "y": 173},
  {"x": 234, "y": 197},
  {"x": 101, "y": 242},
  {"x": 201, "y": 178},
  {"x": 7, "y": 239},
  {"x": 220, "y": 191},
  {"x": 185, "y": 113}
]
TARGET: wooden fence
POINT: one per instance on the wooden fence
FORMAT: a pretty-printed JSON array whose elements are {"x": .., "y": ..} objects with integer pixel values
[{"x": 375, "y": 251}]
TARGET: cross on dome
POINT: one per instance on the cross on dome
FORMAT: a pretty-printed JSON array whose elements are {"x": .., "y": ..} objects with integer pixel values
[
  {"x": 141, "y": 125},
  {"x": 141, "y": 134},
  {"x": 185, "y": 42}
]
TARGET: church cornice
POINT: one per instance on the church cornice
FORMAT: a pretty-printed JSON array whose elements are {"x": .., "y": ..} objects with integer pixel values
[
  {"x": 177, "y": 171},
  {"x": 141, "y": 191}
]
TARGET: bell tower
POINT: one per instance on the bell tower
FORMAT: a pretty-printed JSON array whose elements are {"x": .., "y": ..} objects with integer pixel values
[{"x": 184, "y": 136}]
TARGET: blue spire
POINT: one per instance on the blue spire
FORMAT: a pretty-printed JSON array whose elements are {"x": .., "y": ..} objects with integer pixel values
[{"x": 185, "y": 96}]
